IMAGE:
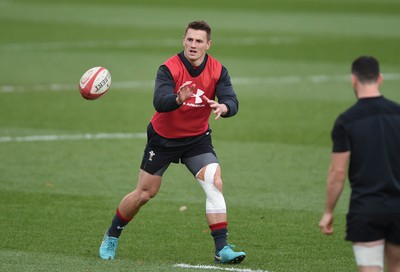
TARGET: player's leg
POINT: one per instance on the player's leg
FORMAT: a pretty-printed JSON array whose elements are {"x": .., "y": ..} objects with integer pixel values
[
  {"x": 369, "y": 255},
  {"x": 392, "y": 245},
  {"x": 147, "y": 187},
  {"x": 392, "y": 257},
  {"x": 207, "y": 171},
  {"x": 367, "y": 232},
  {"x": 153, "y": 165},
  {"x": 210, "y": 179}
]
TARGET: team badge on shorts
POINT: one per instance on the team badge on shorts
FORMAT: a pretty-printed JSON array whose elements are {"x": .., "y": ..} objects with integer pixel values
[{"x": 151, "y": 155}]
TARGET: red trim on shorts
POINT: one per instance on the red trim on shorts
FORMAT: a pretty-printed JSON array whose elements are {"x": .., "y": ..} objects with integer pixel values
[
  {"x": 122, "y": 218},
  {"x": 217, "y": 226}
]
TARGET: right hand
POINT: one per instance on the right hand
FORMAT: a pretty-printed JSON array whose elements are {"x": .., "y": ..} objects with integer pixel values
[
  {"x": 326, "y": 223},
  {"x": 185, "y": 91}
]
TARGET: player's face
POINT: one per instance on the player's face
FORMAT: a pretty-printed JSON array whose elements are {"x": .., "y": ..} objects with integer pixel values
[{"x": 195, "y": 45}]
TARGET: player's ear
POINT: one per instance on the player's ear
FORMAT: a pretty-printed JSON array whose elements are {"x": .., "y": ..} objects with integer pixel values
[
  {"x": 380, "y": 79},
  {"x": 208, "y": 44},
  {"x": 353, "y": 80}
]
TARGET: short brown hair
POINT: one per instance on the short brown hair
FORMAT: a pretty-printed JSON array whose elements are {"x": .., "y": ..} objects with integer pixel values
[
  {"x": 366, "y": 69},
  {"x": 199, "y": 25}
]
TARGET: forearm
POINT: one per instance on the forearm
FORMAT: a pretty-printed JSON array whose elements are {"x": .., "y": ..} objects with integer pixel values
[
  {"x": 165, "y": 102},
  {"x": 226, "y": 94},
  {"x": 165, "y": 99},
  {"x": 334, "y": 188}
]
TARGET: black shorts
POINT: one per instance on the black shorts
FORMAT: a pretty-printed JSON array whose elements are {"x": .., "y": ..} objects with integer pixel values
[
  {"x": 373, "y": 227},
  {"x": 160, "y": 152}
]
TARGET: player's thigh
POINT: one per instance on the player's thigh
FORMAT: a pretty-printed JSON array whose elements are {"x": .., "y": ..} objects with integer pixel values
[
  {"x": 369, "y": 256},
  {"x": 393, "y": 229},
  {"x": 196, "y": 163},
  {"x": 199, "y": 154},
  {"x": 362, "y": 228},
  {"x": 392, "y": 256},
  {"x": 156, "y": 162},
  {"x": 156, "y": 155},
  {"x": 148, "y": 183}
]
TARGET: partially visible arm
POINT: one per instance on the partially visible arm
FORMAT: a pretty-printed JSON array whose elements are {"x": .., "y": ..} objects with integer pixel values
[
  {"x": 334, "y": 187},
  {"x": 226, "y": 95},
  {"x": 165, "y": 99}
]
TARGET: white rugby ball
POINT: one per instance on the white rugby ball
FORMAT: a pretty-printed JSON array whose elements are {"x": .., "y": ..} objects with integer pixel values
[{"x": 95, "y": 82}]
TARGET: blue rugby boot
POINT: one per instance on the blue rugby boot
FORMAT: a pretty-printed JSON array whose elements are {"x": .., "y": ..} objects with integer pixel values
[
  {"x": 108, "y": 247},
  {"x": 228, "y": 256}
]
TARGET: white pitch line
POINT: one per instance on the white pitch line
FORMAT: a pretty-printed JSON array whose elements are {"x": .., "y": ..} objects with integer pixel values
[
  {"x": 123, "y": 85},
  {"x": 65, "y": 45},
  {"x": 210, "y": 267},
  {"x": 149, "y": 84},
  {"x": 72, "y": 137}
]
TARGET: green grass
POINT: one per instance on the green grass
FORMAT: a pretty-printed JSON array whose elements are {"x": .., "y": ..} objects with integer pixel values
[{"x": 289, "y": 61}]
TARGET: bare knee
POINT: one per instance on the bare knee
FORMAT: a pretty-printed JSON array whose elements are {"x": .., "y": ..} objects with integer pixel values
[
  {"x": 147, "y": 188},
  {"x": 144, "y": 197}
]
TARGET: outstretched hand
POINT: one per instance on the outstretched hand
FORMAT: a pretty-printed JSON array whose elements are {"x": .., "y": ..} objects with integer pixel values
[
  {"x": 185, "y": 91},
  {"x": 218, "y": 109}
]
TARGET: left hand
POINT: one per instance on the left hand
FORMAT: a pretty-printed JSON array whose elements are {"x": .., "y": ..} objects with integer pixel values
[{"x": 219, "y": 109}]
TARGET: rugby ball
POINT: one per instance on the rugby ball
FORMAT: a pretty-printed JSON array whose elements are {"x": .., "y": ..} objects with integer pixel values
[{"x": 95, "y": 82}]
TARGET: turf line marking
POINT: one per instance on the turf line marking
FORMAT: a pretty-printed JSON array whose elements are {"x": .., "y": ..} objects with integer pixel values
[
  {"x": 210, "y": 267},
  {"x": 149, "y": 84},
  {"x": 73, "y": 137},
  {"x": 66, "y": 45}
]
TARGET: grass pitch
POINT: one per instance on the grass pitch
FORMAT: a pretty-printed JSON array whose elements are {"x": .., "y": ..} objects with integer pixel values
[{"x": 289, "y": 62}]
